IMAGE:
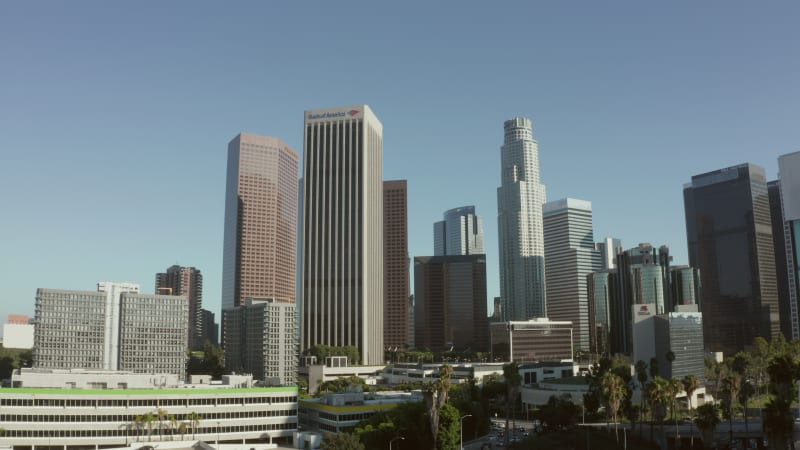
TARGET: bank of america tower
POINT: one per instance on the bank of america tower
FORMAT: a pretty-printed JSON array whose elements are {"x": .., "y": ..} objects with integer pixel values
[{"x": 519, "y": 215}]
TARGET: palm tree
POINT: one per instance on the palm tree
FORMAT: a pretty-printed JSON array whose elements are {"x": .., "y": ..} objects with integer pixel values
[
  {"x": 707, "y": 419},
  {"x": 173, "y": 422},
  {"x": 513, "y": 380},
  {"x": 614, "y": 391},
  {"x": 745, "y": 393},
  {"x": 733, "y": 383},
  {"x": 690, "y": 384},
  {"x": 148, "y": 419},
  {"x": 162, "y": 416},
  {"x": 194, "y": 420},
  {"x": 138, "y": 422},
  {"x": 674, "y": 388},
  {"x": 641, "y": 377},
  {"x": 182, "y": 427},
  {"x": 657, "y": 392}
]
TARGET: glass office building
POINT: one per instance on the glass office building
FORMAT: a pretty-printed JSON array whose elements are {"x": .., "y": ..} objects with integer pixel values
[{"x": 729, "y": 234}]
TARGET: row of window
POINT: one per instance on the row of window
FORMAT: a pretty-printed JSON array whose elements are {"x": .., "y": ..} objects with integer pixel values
[
  {"x": 152, "y": 403},
  {"x": 124, "y": 431},
  {"x": 132, "y": 417}
]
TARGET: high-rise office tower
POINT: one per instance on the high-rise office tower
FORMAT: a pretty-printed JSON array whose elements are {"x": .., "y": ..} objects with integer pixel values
[
  {"x": 114, "y": 328},
  {"x": 685, "y": 286},
  {"x": 519, "y": 215},
  {"x": 260, "y": 245},
  {"x": 460, "y": 233},
  {"x": 602, "y": 291},
  {"x": 342, "y": 278},
  {"x": 781, "y": 245},
  {"x": 570, "y": 255},
  {"x": 729, "y": 233},
  {"x": 450, "y": 303},
  {"x": 188, "y": 282},
  {"x": 209, "y": 327},
  {"x": 395, "y": 265},
  {"x": 788, "y": 257},
  {"x": 609, "y": 248}
]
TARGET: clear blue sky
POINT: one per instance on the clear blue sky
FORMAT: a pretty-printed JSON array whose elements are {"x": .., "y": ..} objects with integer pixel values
[{"x": 115, "y": 117}]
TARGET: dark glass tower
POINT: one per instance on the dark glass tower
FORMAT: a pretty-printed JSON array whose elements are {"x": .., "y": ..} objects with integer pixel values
[{"x": 729, "y": 233}]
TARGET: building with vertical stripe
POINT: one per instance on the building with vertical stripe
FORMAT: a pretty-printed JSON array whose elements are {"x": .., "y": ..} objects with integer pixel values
[
  {"x": 519, "y": 218},
  {"x": 570, "y": 255},
  {"x": 342, "y": 249}
]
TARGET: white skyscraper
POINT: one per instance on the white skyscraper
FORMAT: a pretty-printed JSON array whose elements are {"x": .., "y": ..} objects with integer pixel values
[
  {"x": 519, "y": 215},
  {"x": 342, "y": 278},
  {"x": 570, "y": 256},
  {"x": 460, "y": 233}
]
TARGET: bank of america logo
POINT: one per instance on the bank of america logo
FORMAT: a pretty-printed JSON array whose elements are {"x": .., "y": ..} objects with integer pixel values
[{"x": 353, "y": 112}]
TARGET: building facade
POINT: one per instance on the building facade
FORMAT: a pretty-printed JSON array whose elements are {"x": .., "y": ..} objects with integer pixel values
[
  {"x": 460, "y": 233},
  {"x": 261, "y": 339},
  {"x": 188, "y": 282},
  {"x": 210, "y": 328},
  {"x": 685, "y": 286},
  {"x": 519, "y": 215},
  {"x": 787, "y": 255},
  {"x": 76, "y": 419},
  {"x": 342, "y": 254},
  {"x": 450, "y": 303},
  {"x": 112, "y": 329},
  {"x": 680, "y": 334},
  {"x": 729, "y": 233},
  {"x": 602, "y": 295},
  {"x": 531, "y": 340},
  {"x": 152, "y": 337},
  {"x": 395, "y": 264},
  {"x": 609, "y": 248},
  {"x": 259, "y": 249},
  {"x": 570, "y": 255},
  {"x": 18, "y": 332}
]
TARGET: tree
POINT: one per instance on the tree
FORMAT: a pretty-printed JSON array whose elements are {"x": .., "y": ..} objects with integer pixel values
[
  {"x": 657, "y": 393},
  {"x": 148, "y": 419},
  {"x": 690, "y": 385},
  {"x": 707, "y": 419},
  {"x": 783, "y": 372},
  {"x": 194, "y": 421},
  {"x": 674, "y": 387},
  {"x": 435, "y": 395},
  {"x": 182, "y": 427},
  {"x": 513, "y": 380},
  {"x": 745, "y": 393},
  {"x": 341, "y": 441},
  {"x": 173, "y": 424},
  {"x": 559, "y": 413},
  {"x": 641, "y": 376},
  {"x": 613, "y": 392},
  {"x": 161, "y": 415}
]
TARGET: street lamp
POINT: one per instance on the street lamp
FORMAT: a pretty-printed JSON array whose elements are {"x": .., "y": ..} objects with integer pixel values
[
  {"x": 394, "y": 439},
  {"x": 461, "y": 431}
]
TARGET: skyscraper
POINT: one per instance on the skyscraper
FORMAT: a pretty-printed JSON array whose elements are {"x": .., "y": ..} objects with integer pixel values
[
  {"x": 519, "y": 215},
  {"x": 259, "y": 254},
  {"x": 788, "y": 257},
  {"x": 188, "y": 282},
  {"x": 460, "y": 233},
  {"x": 729, "y": 233},
  {"x": 609, "y": 248},
  {"x": 395, "y": 265},
  {"x": 570, "y": 255},
  {"x": 450, "y": 303},
  {"x": 342, "y": 258}
]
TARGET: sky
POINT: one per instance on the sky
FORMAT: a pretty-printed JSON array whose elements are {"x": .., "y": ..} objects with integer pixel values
[{"x": 115, "y": 117}]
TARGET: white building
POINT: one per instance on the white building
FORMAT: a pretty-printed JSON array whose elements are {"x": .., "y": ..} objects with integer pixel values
[
  {"x": 92, "y": 418},
  {"x": 519, "y": 214},
  {"x": 342, "y": 256},
  {"x": 570, "y": 256},
  {"x": 460, "y": 233},
  {"x": 114, "y": 328},
  {"x": 18, "y": 335}
]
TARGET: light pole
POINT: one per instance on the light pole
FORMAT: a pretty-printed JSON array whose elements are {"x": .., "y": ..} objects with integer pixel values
[
  {"x": 394, "y": 439},
  {"x": 461, "y": 431}
]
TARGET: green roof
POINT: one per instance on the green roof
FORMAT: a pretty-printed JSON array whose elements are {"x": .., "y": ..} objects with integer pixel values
[{"x": 185, "y": 391}]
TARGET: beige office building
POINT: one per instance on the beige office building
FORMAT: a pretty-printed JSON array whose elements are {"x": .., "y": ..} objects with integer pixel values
[{"x": 342, "y": 249}]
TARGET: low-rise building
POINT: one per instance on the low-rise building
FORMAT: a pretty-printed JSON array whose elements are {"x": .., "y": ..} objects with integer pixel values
[
  {"x": 532, "y": 340},
  {"x": 74, "y": 418},
  {"x": 341, "y": 412}
]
